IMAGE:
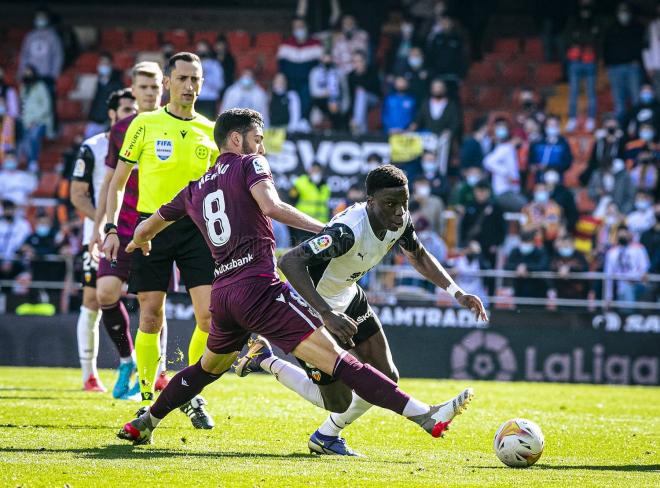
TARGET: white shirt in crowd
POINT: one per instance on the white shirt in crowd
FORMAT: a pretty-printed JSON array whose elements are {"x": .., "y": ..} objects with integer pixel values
[
  {"x": 240, "y": 96},
  {"x": 630, "y": 260},
  {"x": 214, "y": 79},
  {"x": 12, "y": 236},
  {"x": 437, "y": 108},
  {"x": 502, "y": 163},
  {"x": 17, "y": 185},
  {"x": 639, "y": 221}
]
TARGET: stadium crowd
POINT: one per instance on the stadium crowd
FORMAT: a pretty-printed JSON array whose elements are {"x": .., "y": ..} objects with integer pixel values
[{"x": 515, "y": 194}]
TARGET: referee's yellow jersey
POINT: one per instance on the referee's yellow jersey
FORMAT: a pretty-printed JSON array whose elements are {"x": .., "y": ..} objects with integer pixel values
[{"x": 170, "y": 151}]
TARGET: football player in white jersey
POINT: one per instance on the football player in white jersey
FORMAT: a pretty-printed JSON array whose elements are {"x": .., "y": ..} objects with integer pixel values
[
  {"x": 324, "y": 270},
  {"x": 86, "y": 180}
]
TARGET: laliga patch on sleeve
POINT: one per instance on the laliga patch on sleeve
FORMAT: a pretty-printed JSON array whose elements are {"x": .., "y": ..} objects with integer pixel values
[
  {"x": 260, "y": 166},
  {"x": 320, "y": 243},
  {"x": 79, "y": 168}
]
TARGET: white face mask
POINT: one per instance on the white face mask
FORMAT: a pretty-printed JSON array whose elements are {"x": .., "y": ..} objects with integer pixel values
[
  {"x": 618, "y": 165},
  {"x": 526, "y": 247},
  {"x": 423, "y": 191},
  {"x": 624, "y": 17}
]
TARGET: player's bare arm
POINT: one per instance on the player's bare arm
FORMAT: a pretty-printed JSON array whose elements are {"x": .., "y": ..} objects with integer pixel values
[
  {"x": 113, "y": 205},
  {"x": 145, "y": 232},
  {"x": 270, "y": 204},
  {"x": 99, "y": 216},
  {"x": 294, "y": 265},
  {"x": 429, "y": 267},
  {"x": 81, "y": 198}
]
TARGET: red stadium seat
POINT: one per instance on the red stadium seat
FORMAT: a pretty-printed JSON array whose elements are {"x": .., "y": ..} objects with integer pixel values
[
  {"x": 87, "y": 62},
  {"x": 515, "y": 73},
  {"x": 238, "y": 41},
  {"x": 466, "y": 95},
  {"x": 113, "y": 39},
  {"x": 208, "y": 36},
  {"x": 47, "y": 185},
  {"x": 533, "y": 49},
  {"x": 482, "y": 73},
  {"x": 70, "y": 131},
  {"x": 145, "y": 40},
  {"x": 490, "y": 97},
  {"x": 507, "y": 45},
  {"x": 548, "y": 74},
  {"x": 179, "y": 38},
  {"x": 69, "y": 110},
  {"x": 268, "y": 42},
  {"x": 124, "y": 60},
  {"x": 65, "y": 83},
  {"x": 15, "y": 36}
]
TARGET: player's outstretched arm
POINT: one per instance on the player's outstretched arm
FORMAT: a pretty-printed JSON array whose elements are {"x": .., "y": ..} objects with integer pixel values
[
  {"x": 270, "y": 204},
  {"x": 81, "y": 198},
  {"x": 145, "y": 231},
  {"x": 429, "y": 267},
  {"x": 99, "y": 216}
]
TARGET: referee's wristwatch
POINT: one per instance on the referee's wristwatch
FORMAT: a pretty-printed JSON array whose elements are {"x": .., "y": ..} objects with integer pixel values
[{"x": 108, "y": 227}]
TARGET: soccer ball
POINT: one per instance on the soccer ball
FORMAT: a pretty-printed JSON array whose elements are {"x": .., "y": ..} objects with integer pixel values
[{"x": 518, "y": 443}]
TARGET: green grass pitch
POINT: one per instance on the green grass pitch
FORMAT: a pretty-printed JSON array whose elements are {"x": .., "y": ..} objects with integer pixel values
[{"x": 52, "y": 434}]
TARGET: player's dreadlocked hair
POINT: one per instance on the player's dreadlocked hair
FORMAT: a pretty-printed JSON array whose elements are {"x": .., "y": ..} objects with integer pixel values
[
  {"x": 240, "y": 120},
  {"x": 386, "y": 176}
]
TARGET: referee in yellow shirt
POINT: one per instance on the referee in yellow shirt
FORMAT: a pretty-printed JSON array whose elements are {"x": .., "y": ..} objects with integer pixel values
[{"x": 172, "y": 146}]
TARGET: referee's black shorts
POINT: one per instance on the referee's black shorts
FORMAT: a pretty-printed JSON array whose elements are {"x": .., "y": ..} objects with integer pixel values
[{"x": 182, "y": 243}]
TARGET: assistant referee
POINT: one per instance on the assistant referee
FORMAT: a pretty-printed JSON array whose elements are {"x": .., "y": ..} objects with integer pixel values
[{"x": 172, "y": 146}]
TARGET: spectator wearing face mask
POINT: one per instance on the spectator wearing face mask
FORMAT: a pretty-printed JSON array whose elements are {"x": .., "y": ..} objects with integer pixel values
[
  {"x": 439, "y": 114},
  {"x": 347, "y": 41},
  {"x": 565, "y": 261},
  {"x": 651, "y": 241},
  {"x": 311, "y": 195},
  {"x": 552, "y": 152},
  {"x": 643, "y": 217},
  {"x": 246, "y": 93},
  {"x": 296, "y": 57},
  {"x": 431, "y": 172},
  {"x": 647, "y": 140},
  {"x": 364, "y": 91},
  {"x": 609, "y": 145},
  {"x": 647, "y": 110},
  {"x": 285, "y": 108},
  {"x": 16, "y": 185},
  {"x": 445, "y": 53},
  {"x": 644, "y": 174},
  {"x": 622, "y": 49},
  {"x": 563, "y": 196},
  {"x": 502, "y": 164},
  {"x": 543, "y": 215},
  {"x": 476, "y": 145},
  {"x": 36, "y": 116},
  {"x": 612, "y": 183},
  {"x": 524, "y": 259},
  {"x": 108, "y": 81},
  {"x": 463, "y": 193},
  {"x": 430, "y": 206},
  {"x": 609, "y": 222},
  {"x": 416, "y": 73},
  {"x": 226, "y": 60},
  {"x": 14, "y": 230},
  {"x": 397, "y": 55},
  {"x": 214, "y": 81},
  {"x": 582, "y": 39},
  {"x": 398, "y": 108},
  {"x": 465, "y": 266},
  {"x": 42, "y": 50},
  {"x": 627, "y": 259},
  {"x": 325, "y": 87},
  {"x": 483, "y": 222}
]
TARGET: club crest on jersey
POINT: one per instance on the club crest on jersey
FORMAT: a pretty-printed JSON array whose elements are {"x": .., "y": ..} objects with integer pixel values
[
  {"x": 164, "y": 148},
  {"x": 320, "y": 243}
]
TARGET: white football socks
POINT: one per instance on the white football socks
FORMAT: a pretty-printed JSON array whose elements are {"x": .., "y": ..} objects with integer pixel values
[
  {"x": 415, "y": 407},
  {"x": 336, "y": 422},
  {"x": 294, "y": 378},
  {"x": 87, "y": 331}
]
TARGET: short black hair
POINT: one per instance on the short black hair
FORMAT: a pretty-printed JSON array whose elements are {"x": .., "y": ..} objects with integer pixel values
[
  {"x": 107, "y": 55},
  {"x": 118, "y": 95},
  {"x": 387, "y": 176},
  {"x": 240, "y": 120},
  {"x": 479, "y": 123},
  {"x": 182, "y": 56}
]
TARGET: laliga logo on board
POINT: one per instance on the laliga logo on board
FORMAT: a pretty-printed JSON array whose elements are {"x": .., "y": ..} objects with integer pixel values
[
  {"x": 483, "y": 355},
  {"x": 164, "y": 148}
]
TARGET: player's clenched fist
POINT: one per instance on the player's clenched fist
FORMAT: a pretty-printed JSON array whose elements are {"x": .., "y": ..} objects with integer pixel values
[{"x": 340, "y": 325}]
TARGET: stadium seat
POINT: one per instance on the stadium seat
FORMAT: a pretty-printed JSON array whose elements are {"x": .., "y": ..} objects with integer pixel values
[
  {"x": 507, "y": 45},
  {"x": 65, "y": 83},
  {"x": 124, "y": 60},
  {"x": 47, "y": 185},
  {"x": 374, "y": 119},
  {"x": 113, "y": 39},
  {"x": 70, "y": 130},
  {"x": 515, "y": 73},
  {"x": 482, "y": 73},
  {"x": 179, "y": 38},
  {"x": 490, "y": 97},
  {"x": 87, "y": 62},
  {"x": 238, "y": 41},
  {"x": 548, "y": 74},
  {"x": 268, "y": 42},
  {"x": 145, "y": 40},
  {"x": 15, "y": 36},
  {"x": 69, "y": 110},
  {"x": 466, "y": 95},
  {"x": 533, "y": 49},
  {"x": 208, "y": 36}
]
